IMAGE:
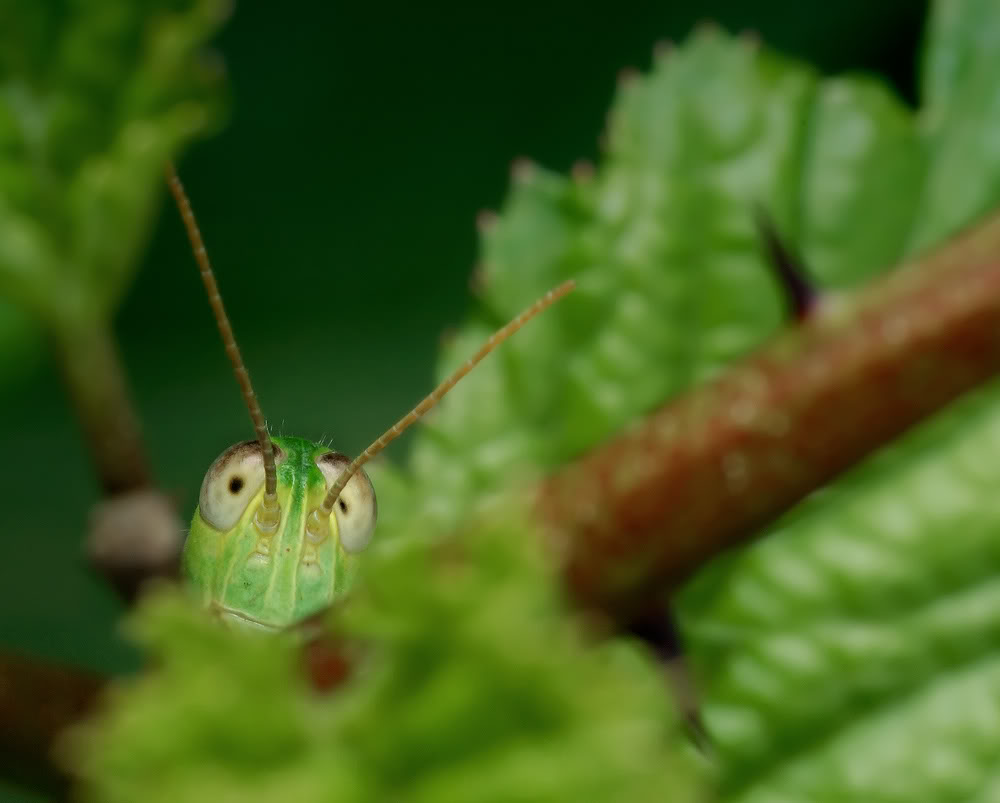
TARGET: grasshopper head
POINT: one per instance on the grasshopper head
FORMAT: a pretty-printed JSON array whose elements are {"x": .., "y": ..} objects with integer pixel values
[{"x": 271, "y": 578}]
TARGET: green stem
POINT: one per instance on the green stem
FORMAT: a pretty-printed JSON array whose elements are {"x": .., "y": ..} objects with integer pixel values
[
  {"x": 92, "y": 371},
  {"x": 134, "y": 531}
]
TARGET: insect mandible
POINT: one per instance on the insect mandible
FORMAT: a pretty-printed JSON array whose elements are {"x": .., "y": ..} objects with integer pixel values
[{"x": 280, "y": 520}]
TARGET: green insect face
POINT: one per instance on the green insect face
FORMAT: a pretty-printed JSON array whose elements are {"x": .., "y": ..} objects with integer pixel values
[
  {"x": 271, "y": 580},
  {"x": 271, "y": 544}
]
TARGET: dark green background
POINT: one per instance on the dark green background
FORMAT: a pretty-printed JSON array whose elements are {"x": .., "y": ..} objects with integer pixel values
[{"x": 339, "y": 207}]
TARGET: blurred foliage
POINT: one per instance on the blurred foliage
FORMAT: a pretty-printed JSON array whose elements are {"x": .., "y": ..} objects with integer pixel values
[
  {"x": 846, "y": 656},
  {"x": 94, "y": 98},
  {"x": 850, "y": 654},
  {"x": 311, "y": 177},
  {"x": 471, "y": 682},
  {"x": 672, "y": 284}
]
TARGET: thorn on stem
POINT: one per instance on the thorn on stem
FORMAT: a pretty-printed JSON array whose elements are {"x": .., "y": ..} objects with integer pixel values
[
  {"x": 657, "y": 628},
  {"x": 800, "y": 294}
]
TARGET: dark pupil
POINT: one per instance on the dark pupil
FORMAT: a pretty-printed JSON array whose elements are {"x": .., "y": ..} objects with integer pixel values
[
  {"x": 236, "y": 485},
  {"x": 343, "y": 505}
]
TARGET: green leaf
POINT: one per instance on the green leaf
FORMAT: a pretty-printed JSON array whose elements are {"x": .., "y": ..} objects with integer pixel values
[
  {"x": 838, "y": 619},
  {"x": 862, "y": 174},
  {"x": 847, "y": 656},
  {"x": 94, "y": 99},
  {"x": 471, "y": 682},
  {"x": 671, "y": 285},
  {"x": 671, "y": 282},
  {"x": 960, "y": 117}
]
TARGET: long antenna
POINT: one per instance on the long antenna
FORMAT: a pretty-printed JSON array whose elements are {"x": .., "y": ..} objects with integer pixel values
[
  {"x": 267, "y": 515},
  {"x": 323, "y": 511}
]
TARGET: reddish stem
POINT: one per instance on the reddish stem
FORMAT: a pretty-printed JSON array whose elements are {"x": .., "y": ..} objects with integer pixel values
[
  {"x": 37, "y": 701},
  {"x": 711, "y": 467}
]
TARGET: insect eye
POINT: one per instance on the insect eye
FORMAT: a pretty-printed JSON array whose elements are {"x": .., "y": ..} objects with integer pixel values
[
  {"x": 356, "y": 509},
  {"x": 231, "y": 482}
]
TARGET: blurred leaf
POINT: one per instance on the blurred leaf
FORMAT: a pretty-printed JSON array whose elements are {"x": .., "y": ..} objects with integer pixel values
[
  {"x": 847, "y": 656},
  {"x": 868, "y": 613},
  {"x": 94, "y": 98},
  {"x": 672, "y": 283},
  {"x": 960, "y": 118},
  {"x": 471, "y": 683},
  {"x": 661, "y": 242},
  {"x": 864, "y": 154}
]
